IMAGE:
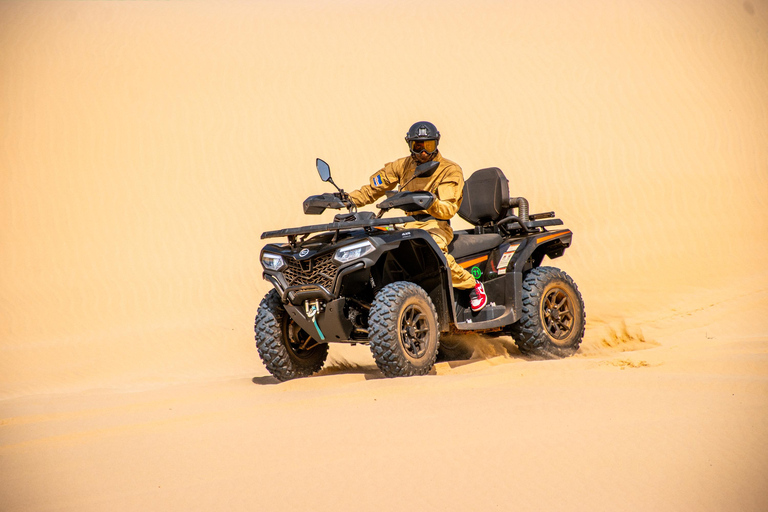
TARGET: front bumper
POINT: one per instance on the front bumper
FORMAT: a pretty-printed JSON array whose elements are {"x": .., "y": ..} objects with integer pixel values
[{"x": 298, "y": 290}]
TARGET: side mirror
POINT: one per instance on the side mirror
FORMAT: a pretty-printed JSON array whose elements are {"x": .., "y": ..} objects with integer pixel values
[
  {"x": 425, "y": 169},
  {"x": 323, "y": 169}
]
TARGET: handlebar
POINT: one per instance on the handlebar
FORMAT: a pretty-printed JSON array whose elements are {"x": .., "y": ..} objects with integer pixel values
[
  {"x": 408, "y": 201},
  {"x": 315, "y": 205}
]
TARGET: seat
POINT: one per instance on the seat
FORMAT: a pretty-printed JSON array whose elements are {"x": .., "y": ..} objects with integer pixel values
[
  {"x": 465, "y": 244},
  {"x": 486, "y": 197}
]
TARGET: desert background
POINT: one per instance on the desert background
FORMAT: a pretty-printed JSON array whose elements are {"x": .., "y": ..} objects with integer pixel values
[{"x": 145, "y": 146}]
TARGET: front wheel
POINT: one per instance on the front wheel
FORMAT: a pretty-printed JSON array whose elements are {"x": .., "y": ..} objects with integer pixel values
[
  {"x": 403, "y": 330},
  {"x": 286, "y": 349},
  {"x": 552, "y": 320}
]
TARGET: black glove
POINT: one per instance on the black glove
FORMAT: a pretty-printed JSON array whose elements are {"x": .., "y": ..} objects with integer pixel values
[{"x": 344, "y": 197}]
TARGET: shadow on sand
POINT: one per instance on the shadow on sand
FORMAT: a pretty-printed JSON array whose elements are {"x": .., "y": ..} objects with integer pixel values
[
  {"x": 340, "y": 367},
  {"x": 456, "y": 352}
]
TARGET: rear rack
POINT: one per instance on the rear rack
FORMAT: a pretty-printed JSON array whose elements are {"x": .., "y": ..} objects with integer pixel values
[
  {"x": 514, "y": 223},
  {"x": 535, "y": 224}
]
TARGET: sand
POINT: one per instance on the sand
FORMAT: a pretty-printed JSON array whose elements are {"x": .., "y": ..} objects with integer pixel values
[{"x": 147, "y": 145}]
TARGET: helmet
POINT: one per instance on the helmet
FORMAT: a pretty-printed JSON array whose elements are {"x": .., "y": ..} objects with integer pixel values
[{"x": 423, "y": 136}]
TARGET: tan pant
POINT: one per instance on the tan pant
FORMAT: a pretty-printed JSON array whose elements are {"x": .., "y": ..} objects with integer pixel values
[{"x": 443, "y": 234}]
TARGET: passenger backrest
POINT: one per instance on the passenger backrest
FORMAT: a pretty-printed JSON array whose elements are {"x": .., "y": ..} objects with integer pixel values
[{"x": 486, "y": 197}]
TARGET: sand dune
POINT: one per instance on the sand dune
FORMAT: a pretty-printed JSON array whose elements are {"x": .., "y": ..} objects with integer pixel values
[{"x": 146, "y": 145}]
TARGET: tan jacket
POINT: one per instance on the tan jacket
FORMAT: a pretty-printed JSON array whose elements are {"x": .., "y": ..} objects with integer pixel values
[{"x": 447, "y": 183}]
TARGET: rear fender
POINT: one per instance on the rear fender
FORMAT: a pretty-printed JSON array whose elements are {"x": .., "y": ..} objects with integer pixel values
[{"x": 531, "y": 253}]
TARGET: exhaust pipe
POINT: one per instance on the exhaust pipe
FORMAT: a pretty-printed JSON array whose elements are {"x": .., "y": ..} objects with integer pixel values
[{"x": 521, "y": 204}]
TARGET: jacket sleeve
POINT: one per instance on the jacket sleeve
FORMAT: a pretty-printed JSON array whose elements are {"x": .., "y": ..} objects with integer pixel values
[
  {"x": 380, "y": 182},
  {"x": 448, "y": 197}
]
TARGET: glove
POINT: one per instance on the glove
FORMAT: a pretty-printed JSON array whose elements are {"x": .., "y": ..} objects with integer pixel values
[{"x": 344, "y": 198}]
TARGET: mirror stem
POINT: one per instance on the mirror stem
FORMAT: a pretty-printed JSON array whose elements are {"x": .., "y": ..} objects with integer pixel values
[
  {"x": 351, "y": 207},
  {"x": 330, "y": 180}
]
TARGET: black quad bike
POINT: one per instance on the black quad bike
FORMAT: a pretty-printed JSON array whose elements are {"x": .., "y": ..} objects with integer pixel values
[{"x": 365, "y": 279}]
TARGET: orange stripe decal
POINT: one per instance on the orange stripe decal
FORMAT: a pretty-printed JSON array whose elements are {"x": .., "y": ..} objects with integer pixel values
[
  {"x": 475, "y": 261},
  {"x": 554, "y": 235}
]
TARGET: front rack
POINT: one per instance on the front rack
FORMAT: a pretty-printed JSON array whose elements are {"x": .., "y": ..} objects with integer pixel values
[{"x": 337, "y": 226}]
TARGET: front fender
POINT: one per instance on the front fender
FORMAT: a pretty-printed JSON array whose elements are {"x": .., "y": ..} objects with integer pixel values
[{"x": 413, "y": 255}]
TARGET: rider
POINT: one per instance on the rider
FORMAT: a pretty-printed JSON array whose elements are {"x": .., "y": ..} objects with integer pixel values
[{"x": 447, "y": 185}]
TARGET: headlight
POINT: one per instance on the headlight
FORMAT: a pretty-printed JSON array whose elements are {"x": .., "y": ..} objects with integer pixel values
[
  {"x": 272, "y": 261},
  {"x": 354, "y": 251}
]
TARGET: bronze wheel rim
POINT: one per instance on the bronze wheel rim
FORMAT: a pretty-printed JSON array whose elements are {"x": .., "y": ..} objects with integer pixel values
[
  {"x": 298, "y": 341},
  {"x": 414, "y": 331},
  {"x": 557, "y": 311}
]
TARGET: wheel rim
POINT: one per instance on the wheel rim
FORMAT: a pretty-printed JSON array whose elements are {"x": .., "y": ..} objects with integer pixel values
[
  {"x": 557, "y": 311},
  {"x": 414, "y": 331},
  {"x": 298, "y": 341}
]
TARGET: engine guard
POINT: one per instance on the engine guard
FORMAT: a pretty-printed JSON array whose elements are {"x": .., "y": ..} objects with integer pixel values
[{"x": 334, "y": 326}]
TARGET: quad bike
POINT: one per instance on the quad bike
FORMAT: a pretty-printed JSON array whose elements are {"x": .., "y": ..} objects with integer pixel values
[{"x": 365, "y": 279}]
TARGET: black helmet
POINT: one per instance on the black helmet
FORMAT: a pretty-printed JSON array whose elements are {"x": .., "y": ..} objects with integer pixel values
[{"x": 425, "y": 132}]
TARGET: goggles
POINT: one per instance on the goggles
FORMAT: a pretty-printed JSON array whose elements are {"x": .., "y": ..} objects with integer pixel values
[{"x": 417, "y": 146}]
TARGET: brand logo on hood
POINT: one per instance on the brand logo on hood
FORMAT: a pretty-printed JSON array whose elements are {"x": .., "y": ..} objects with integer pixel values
[{"x": 303, "y": 253}]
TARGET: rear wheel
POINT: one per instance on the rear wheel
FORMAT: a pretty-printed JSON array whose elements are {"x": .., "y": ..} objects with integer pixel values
[
  {"x": 403, "y": 330},
  {"x": 286, "y": 349},
  {"x": 553, "y": 320}
]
